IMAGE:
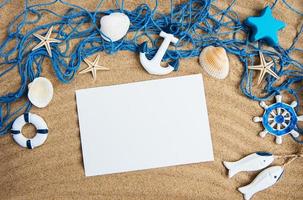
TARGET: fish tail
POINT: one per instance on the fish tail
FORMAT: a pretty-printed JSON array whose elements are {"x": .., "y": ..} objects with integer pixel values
[
  {"x": 247, "y": 195},
  {"x": 231, "y": 173},
  {"x": 229, "y": 165},
  {"x": 242, "y": 189}
]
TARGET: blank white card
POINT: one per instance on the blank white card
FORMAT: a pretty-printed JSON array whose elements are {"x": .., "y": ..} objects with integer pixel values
[{"x": 144, "y": 125}]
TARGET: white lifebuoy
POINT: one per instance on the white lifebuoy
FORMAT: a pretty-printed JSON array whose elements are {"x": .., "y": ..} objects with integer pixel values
[{"x": 41, "y": 130}]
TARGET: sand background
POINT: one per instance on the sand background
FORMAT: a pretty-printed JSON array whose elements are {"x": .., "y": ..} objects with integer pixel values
[{"x": 55, "y": 170}]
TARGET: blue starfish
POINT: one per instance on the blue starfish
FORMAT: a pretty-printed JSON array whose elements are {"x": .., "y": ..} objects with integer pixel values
[{"x": 265, "y": 27}]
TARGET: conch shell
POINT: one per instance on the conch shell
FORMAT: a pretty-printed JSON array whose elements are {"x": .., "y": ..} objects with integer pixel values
[
  {"x": 40, "y": 92},
  {"x": 214, "y": 61}
]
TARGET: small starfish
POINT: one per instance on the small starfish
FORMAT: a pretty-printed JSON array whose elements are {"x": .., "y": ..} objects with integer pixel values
[
  {"x": 264, "y": 67},
  {"x": 45, "y": 41},
  {"x": 93, "y": 67}
]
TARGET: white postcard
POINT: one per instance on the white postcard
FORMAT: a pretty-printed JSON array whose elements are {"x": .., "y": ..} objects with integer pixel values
[{"x": 144, "y": 125}]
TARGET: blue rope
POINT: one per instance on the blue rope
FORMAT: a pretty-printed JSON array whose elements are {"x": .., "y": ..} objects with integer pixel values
[{"x": 197, "y": 24}]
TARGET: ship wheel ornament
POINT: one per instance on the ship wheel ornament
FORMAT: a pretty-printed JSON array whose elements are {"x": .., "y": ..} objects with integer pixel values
[{"x": 279, "y": 119}]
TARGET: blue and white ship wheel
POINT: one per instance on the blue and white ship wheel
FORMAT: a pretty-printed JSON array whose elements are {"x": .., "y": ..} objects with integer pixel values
[
  {"x": 41, "y": 130},
  {"x": 279, "y": 119}
]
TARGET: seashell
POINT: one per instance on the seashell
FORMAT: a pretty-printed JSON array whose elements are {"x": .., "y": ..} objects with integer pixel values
[
  {"x": 114, "y": 26},
  {"x": 40, "y": 92},
  {"x": 214, "y": 61}
]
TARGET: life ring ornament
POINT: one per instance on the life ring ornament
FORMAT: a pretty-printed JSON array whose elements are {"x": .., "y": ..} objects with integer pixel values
[{"x": 41, "y": 130}]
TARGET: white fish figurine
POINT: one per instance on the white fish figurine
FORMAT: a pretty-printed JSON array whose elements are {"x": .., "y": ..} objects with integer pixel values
[
  {"x": 252, "y": 162},
  {"x": 265, "y": 179}
]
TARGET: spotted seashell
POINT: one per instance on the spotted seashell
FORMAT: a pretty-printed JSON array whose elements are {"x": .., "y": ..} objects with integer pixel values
[
  {"x": 214, "y": 61},
  {"x": 40, "y": 92}
]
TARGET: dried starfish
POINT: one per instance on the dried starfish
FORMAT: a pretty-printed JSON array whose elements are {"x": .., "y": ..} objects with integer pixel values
[
  {"x": 45, "y": 41},
  {"x": 264, "y": 67},
  {"x": 93, "y": 67}
]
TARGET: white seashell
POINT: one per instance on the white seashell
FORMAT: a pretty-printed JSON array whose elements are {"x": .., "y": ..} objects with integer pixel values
[
  {"x": 214, "y": 61},
  {"x": 40, "y": 92},
  {"x": 114, "y": 26}
]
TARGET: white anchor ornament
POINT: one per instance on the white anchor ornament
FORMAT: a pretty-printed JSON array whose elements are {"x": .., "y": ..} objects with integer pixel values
[
  {"x": 153, "y": 66},
  {"x": 265, "y": 179},
  {"x": 279, "y": 119},
  {"x": 252, "y": 162}
]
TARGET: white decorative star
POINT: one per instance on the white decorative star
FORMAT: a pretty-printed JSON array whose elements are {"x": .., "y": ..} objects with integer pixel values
[
  {"x": 45, "y": 41},
  {"x": 93, "y": 67},
  {"x": 264, "y": 67}
]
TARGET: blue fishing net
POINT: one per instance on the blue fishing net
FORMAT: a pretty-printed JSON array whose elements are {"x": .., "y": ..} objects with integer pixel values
[{"x": 197, "y": 24}]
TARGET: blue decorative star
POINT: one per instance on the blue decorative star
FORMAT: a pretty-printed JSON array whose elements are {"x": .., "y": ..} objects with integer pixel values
[{"x": 265, "y": 27}]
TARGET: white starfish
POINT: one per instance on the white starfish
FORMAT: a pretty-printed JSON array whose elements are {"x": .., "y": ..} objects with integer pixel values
[
  {"x": 264, "y": 67},
  {"x": 45, "y": 41},
  {"x": 93, "y": 67}
]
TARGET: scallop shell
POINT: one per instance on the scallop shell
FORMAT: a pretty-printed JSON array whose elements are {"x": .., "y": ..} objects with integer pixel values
[
  {"x": 40, "y": 92},
  {"x": 214, "y": 61}
]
